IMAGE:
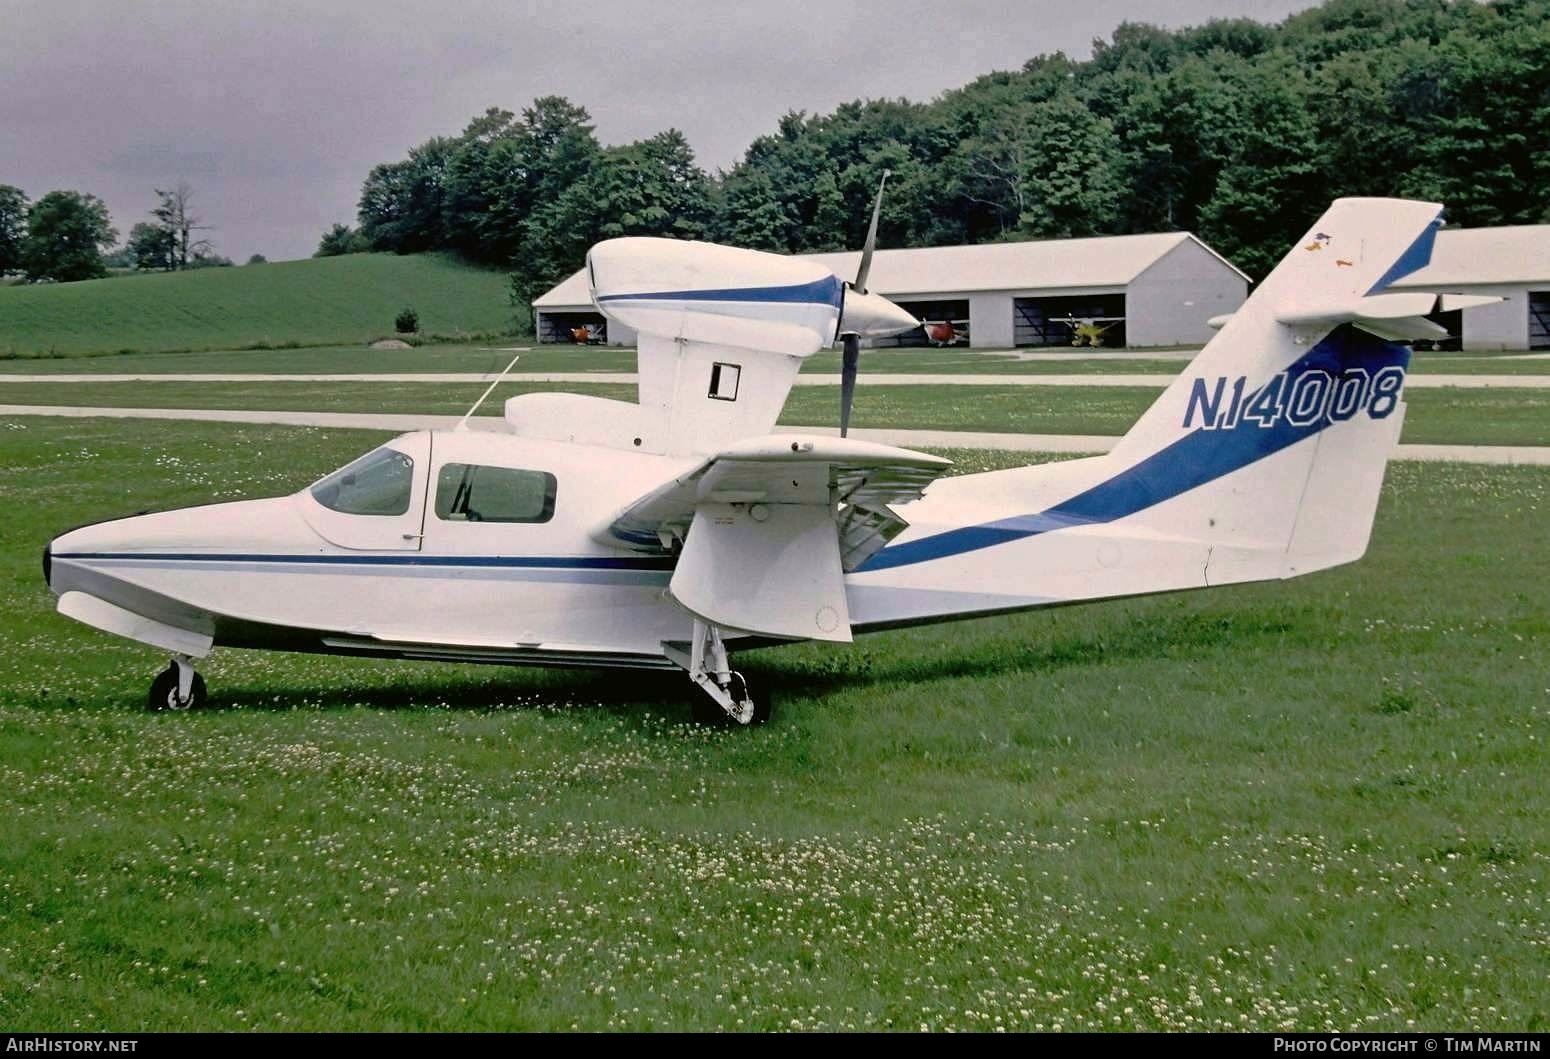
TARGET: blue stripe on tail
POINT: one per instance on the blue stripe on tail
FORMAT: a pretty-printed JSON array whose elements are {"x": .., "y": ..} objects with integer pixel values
[
  {"x": 1417, "y": 257},
  {"x": 1204, "y": 455}
]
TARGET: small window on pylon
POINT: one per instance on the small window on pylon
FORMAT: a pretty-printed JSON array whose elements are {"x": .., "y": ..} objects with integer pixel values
[{"x": 723, "y": 381}]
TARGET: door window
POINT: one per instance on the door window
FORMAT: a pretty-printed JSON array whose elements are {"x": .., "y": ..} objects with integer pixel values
[{"x": 467, "y": 492}]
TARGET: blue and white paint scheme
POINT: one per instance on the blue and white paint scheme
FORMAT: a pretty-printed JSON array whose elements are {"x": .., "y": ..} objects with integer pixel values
[{"x": 668, "y": 532}]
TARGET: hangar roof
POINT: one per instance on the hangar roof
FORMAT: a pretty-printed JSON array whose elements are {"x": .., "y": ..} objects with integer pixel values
[
  {"x": 1462, "y": 256},
  {"x": 1107, "y": 261}
]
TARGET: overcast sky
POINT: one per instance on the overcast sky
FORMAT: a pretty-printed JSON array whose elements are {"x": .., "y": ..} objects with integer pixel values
[{"x": 274, "y": 110}]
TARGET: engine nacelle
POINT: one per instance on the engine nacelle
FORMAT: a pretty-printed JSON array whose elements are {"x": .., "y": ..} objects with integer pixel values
[
  {"x": 729, "y": 296},
  {"x": 718, "y": 294}
]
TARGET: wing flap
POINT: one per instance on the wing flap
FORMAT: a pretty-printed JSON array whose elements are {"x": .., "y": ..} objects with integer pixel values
[{"x": 780, "y": 469}]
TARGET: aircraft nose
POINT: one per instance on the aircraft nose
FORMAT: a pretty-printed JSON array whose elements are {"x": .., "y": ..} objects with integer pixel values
[{"x": 48, "y": 563}]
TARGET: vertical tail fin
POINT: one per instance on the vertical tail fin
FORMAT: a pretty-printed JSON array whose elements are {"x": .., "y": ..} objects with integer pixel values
[
  {"x": 1281, "y": 427},
  {"x": 1333, "y": 275}
]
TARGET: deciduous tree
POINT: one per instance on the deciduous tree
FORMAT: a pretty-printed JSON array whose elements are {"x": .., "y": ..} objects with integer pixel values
[
  {"x": 1235, "y": 129},
  {"x": 13, "y": 228},
  {"x": 66, "y": 235},
  {"x": 152, "y": 247},
  {"x": 341, "y": 239}
]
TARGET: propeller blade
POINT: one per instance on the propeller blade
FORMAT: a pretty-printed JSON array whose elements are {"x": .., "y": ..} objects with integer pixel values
[
  {"x": 851, "y": 341},
  {"x": 871, "y": 236},
  {"x": 852, "y": 357}
]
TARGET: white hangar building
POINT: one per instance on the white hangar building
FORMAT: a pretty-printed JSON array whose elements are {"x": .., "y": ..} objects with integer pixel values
[
  {"x": 1511, "y": 263},
  {"x": 1161, "y": 288}
]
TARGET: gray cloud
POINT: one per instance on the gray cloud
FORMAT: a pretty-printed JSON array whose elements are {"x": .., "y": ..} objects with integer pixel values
[{"x": 275, "y": 111}]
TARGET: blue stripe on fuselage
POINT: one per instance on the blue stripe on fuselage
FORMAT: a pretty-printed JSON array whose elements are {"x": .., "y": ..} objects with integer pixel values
[
  {"x": 1193, "y": 460},
  {"x": 828, "y": 291},
  {"x": 392, "y": 559}
]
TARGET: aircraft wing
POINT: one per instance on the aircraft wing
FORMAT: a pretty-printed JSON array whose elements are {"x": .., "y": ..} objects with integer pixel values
[{"x": 768, "y": 527}]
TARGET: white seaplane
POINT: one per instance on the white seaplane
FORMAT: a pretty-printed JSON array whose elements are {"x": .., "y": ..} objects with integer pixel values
[{"x": 671, "y": 532}]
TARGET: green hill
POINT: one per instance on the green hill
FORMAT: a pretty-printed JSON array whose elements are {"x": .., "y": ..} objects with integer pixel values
[{"x": 334, "y": 300}]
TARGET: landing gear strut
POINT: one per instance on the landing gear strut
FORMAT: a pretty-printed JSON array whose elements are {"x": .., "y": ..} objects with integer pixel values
[
  {"x": 725, "y": 697},
  {"x": 178, "y": 687}
]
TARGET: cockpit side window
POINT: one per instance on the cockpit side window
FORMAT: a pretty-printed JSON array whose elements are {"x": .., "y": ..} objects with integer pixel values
[
  {"x": 466, "y": 492},
  {"x": 379, "y": 483}
]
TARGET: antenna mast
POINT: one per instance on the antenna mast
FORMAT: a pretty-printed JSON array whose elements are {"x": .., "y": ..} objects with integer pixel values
[{"x": 462, "y": 424}]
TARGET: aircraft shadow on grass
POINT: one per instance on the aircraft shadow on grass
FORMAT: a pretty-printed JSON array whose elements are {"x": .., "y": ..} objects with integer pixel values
[{"x": 1146, "y": 636}]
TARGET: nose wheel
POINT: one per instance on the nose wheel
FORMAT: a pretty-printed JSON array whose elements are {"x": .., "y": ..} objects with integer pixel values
[{"x": 179, "y": 687}]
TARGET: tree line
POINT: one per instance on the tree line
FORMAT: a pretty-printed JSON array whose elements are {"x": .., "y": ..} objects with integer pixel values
[
  {"x": 68, "y": 235},
  {"x": 1238, "y": 131}
]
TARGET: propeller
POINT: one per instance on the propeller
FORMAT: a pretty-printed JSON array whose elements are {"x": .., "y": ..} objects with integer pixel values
[{"x": 850, "y": 340}]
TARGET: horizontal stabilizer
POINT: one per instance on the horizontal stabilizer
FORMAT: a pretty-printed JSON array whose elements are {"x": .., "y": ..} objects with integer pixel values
[
  {"x": 1399, "y": 316},
  {"x": 1375, "y": 308},
  {"x": 1384, "y": 314},
  {"x": 1450, "y": 303}
]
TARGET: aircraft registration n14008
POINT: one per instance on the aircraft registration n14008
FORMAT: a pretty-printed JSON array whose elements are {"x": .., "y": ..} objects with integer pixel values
[{"x": 669, "y": 532}]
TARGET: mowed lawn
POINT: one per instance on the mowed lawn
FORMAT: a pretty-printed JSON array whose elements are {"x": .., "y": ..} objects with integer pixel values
[
  {"x": 441, "y": 357},
  {"x": 487, "y": 357},
  {"x": 1310, "y": 805},
  {"x": 1496, "y": 416},
  {"x": 350, "y": 299}
]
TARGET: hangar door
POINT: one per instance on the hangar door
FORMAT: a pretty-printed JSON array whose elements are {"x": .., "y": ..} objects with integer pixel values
[
  {"x": 1069, "y": 320},
  {"x": 943, "y": 323},
  {"x": 568, "y": 328},
  {"x": 1539, "y": 319}
]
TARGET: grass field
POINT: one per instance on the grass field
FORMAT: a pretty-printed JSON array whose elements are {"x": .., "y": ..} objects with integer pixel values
[
  {"x": 350, "y": 299},
  {"x": 1315, "y": 805},
  {"x": 1441, "y": 416},
  {"x": 354, "y": 359},
  {"x": 341, "y": 360}
]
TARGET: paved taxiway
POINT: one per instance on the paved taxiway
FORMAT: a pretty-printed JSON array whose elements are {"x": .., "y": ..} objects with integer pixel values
[{"x": 1519, "y": 454}]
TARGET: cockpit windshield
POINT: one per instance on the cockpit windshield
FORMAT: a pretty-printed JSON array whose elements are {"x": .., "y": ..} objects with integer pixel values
[{"x": 379, "y": 483}]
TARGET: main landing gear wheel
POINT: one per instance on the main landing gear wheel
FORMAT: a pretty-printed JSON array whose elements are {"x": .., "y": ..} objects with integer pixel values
[
  {"x": 709, "y": 711},
  {"x": 724, "y": 696},
  {"x": 166, "y": 695}
]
